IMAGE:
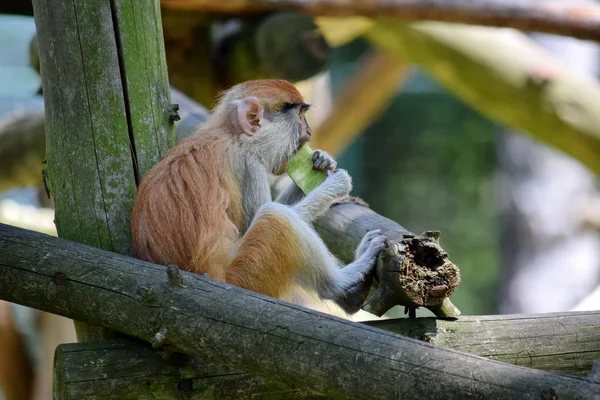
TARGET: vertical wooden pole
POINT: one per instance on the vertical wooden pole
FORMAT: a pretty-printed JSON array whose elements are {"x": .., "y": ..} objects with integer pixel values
[{"x": 107, "y": 100}]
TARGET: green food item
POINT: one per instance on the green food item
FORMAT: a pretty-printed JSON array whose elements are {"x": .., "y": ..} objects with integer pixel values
[{"x": 299, "y": 168}]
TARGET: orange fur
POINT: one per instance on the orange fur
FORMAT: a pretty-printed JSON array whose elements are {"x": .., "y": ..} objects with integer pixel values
[
  {"x": 269, "y": 257},
  {"x": 188, "y": 208},
  {"x": 189, "y": 211}
]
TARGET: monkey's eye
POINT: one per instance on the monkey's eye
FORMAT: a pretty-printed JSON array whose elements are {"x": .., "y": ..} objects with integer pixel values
[{"x": 301, "y": 107}]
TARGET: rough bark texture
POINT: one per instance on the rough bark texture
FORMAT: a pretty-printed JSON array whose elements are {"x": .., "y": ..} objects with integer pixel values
[
  {"x": 105, "y": 89},
  {"x": 241, "y": 329},
  {"x": 566, "y": 343},
  {"x": 131, "y": 370},
  {"x": 344, "y": 225},
  {"x": 579, "y": 21},
  {"x": 90, "y": 172}
]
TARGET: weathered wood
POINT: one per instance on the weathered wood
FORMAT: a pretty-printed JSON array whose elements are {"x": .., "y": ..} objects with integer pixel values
[
  {"x": 90, "y": 171},
  {"x": 249, "y": 331},
  {"x": 343, "y": 226},
  {"x": 132, "y": 370},
  {"x": 566, "y": 343},
  {"x": 138, "y": 32},
  {"x": 580, "y": 21},
  {"x": 105, "y": 88}
]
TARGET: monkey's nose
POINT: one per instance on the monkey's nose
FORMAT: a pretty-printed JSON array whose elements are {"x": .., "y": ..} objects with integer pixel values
[{"x": 305, "y": 137}]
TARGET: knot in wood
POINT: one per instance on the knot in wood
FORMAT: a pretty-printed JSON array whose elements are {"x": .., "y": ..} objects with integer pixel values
[
  {"x": 159, "y": 339},
  {"x": 172, "y": 112},
  {"x": 548, "y": 394},
  {"x": 186, "y": 385},
  {"x": 60, "y": 278},
  {"x": 174, "y": 274}
]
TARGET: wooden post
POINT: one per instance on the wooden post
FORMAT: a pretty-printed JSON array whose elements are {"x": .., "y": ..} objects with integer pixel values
[{"x": 107, "y": 101}]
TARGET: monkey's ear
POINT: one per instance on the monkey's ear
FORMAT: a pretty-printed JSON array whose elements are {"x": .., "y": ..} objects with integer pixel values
[{"x": 250, "y": 113}]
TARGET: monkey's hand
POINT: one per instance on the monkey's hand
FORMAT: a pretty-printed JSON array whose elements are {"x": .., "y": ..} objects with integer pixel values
[
  {"x": 322, "y": 161},
  {"x": 366, "y": 241},
  {"x": 337, "y": 185}
]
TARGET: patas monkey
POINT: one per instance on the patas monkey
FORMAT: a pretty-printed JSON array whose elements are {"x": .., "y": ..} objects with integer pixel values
[{"x": 206, "y": 206}]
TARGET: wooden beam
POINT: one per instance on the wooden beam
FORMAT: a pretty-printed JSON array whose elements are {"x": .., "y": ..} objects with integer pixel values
[
  {"x": 565, "y": 343},
  {"x": 580, "y": 21},
  {"x": 132, "y": 370},
  {"x": 241, "y": 329}
]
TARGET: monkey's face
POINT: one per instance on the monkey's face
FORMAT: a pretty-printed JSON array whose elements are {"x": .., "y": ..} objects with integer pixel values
[
  {"x": 273, "y": 133},
  {"x": 282, "y": 133}
]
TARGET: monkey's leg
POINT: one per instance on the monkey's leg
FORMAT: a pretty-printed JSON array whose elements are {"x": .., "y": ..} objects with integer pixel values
[{"x": 280, "y": 248}]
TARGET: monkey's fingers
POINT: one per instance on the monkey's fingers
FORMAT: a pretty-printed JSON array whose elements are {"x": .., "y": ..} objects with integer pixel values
[{"x": 322, "y": 161}]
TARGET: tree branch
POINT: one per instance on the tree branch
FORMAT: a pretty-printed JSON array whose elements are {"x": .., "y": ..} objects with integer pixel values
[
  {"x": 518, "y": 84},
  {"x": 580, "y": 21},
  {"x": 242, "y": 329}
]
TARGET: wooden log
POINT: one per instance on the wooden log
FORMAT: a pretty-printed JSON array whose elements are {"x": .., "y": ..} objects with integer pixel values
[
  {"x": 106, "y": 93},
  {"x": 343, "y": 226},
  {"x": 132, "y": 370},
  {"x": 221, "y": 323},
  {"x": 565, "y": 343},
  {"x": 577, "y": 20}
]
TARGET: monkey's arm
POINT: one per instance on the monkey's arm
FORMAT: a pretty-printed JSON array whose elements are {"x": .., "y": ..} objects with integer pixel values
[{"x": 291, "y": 195}]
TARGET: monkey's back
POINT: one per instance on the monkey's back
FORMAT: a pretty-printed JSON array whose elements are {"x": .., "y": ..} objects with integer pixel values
[{"x": 188, "y": 207}]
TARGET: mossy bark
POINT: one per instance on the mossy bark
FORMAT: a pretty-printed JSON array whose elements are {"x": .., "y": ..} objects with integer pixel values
[{"x": 105, "y": 90}]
